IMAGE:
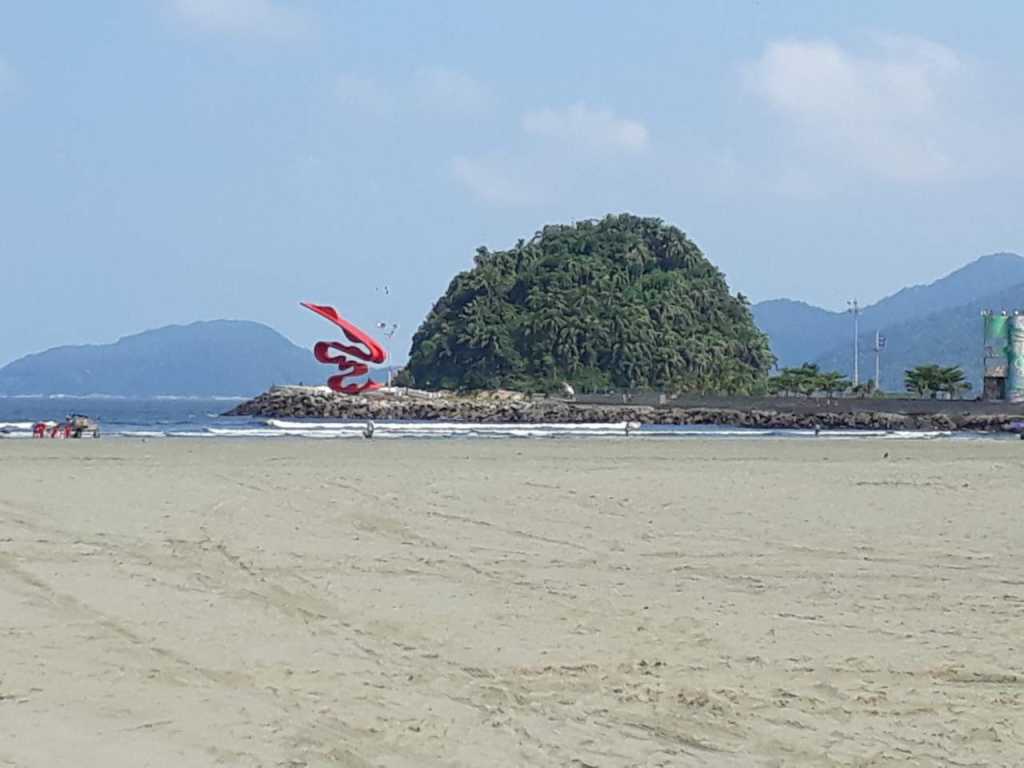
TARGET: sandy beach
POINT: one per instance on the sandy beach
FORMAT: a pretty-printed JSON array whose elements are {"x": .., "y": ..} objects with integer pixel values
[{"x": 511, "y": 603}]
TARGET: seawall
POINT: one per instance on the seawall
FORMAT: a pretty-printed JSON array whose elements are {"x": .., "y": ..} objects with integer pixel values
[{"x": 500, "y": 407}]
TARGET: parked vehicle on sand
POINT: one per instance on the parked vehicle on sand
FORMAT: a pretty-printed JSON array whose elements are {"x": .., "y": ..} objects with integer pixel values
[{"x": 74, "y": 426}]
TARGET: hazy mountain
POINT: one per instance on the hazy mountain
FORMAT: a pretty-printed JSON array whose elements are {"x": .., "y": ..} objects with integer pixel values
[
  {"x": 801, "y": 332},
  {"x": 985, "y": 276},
  {"x": 948, "y": 337},
  {"x": 219, "y": 357}
]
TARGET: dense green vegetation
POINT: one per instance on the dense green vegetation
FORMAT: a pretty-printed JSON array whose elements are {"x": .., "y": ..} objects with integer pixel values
[
  {"x": 807, "y": 380},
  {"x": 932, "y": 379},
  {"x": 625, "y": 302}
]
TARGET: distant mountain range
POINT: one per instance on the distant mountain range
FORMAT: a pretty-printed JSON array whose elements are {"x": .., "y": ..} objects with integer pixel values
[
  {"x": 935, "y": 323},
  {"x": 219, "y": 357}
]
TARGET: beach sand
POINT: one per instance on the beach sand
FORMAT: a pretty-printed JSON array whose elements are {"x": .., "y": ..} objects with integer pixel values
[{"x": 504, "y": 603}]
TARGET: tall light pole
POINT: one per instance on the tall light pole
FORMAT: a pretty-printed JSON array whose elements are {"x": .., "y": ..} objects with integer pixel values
[
  {"x": 854, "y": 309},
  {"x": 387, "y": 328},
  {"x": 879, "y": 346}
]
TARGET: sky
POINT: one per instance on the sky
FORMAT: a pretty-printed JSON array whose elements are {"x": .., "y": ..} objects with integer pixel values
[{"x": 165, "y": 161}]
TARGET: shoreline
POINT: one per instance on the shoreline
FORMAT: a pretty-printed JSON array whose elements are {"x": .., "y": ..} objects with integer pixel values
[{"x": 514, "y": 408}]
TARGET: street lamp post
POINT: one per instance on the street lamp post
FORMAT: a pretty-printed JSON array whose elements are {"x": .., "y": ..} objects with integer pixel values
[
  {"x": 879, "y": 346},
  {"x": 854, "y": 309}
]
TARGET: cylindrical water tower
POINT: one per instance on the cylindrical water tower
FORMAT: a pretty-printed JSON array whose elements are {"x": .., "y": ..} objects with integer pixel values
[
  {"x": 997, "y": 340},
  {"x": 1015, "y": 360}
]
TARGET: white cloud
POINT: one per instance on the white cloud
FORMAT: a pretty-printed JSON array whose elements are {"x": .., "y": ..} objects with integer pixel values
[
  {"x": 494, "y": 182},
  {"x": 449, "y": 91},
  {"x": 250, "y": 18},
  {"x": 541, "y": 171},
  {"x": 362, "y": 94},
  {"x": 580, "y": 124},
  {"x": 891, "y": 110}
]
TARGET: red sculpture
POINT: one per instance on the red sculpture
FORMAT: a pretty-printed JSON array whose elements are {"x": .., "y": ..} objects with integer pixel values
[{"x": 369, "y": 352}]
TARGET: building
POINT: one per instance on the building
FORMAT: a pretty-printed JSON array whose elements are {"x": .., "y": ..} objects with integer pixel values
[{"x": 1003, "y": 356}]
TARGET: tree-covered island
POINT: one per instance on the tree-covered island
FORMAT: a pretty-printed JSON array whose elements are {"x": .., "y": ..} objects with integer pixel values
[{"x": 624, "y": 302}]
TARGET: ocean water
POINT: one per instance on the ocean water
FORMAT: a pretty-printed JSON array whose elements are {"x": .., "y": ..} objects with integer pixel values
[
  {"x": 169, "y": 417},
  {"x": 124, "y": 416}
]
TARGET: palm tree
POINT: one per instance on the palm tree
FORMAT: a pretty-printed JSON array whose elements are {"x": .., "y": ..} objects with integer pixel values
[
  {"x": 952, "y": 381},
  {"x": 929, "y": 379},
  {"x": 865, "y": 389},
  {"x": 792, "y": 381},
  {"x": 807, "y": 378},
  {"x": 832, "y": 382}
]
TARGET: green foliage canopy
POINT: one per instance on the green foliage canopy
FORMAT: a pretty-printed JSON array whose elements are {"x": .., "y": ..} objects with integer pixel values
[
  {"x": 806, "y": 380},
  {"x": 624, "y": 302},
  {"x": 931, "y": 379}
]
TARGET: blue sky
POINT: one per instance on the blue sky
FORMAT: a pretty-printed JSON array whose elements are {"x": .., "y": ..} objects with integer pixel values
[{"x": 163, "y": 161}]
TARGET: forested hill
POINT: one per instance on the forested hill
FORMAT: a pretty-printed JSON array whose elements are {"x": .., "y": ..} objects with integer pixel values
[{"x": 621, "y": 302}]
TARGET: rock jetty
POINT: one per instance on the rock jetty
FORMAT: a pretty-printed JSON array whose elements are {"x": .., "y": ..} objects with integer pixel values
[{"x": 510, "y": 407}]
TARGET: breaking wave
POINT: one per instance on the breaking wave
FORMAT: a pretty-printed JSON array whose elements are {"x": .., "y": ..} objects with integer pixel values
[
  {"x": 187, "y": 417},
  {"x": 340, "y": 430}
]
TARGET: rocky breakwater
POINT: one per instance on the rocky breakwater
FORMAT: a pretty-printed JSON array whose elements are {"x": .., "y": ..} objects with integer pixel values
[
  {"x": 414, "y": 405},
  {"x": 510, "y": 407}
]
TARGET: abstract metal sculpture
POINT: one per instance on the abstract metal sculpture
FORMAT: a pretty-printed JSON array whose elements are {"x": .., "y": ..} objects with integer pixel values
[{"x": 367, "y": 351}]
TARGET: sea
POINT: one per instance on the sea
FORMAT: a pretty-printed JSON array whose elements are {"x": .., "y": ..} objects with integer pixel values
[{"x": 198, "y": 417}]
